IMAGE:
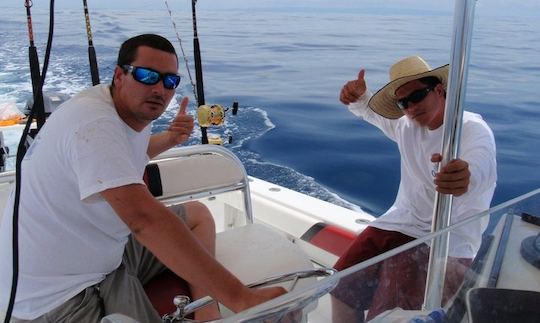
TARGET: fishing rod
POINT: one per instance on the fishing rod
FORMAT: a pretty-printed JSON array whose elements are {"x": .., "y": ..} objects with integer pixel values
[
  {"x": 91, "y": 50},
  {"x": 198, "y": 69},
  {"x": 186, "y": 61},
  {"x": 38, "y": 109},
  {"x": 34, "y": 68},
  {"x": 197, "y": 57},
  {"x": 207, "y": 115}
]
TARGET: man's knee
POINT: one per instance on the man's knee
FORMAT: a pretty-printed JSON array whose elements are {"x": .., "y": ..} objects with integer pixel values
[{"x": 198, "y": 214}]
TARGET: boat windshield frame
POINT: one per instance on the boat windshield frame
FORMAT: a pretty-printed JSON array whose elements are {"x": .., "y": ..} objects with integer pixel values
[{"x": 297, "y": 299}]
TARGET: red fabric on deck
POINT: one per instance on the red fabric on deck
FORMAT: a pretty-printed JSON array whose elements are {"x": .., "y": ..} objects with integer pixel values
[
  {"x": 162, "y": 289},
  {"x": 333, "y": 239}
]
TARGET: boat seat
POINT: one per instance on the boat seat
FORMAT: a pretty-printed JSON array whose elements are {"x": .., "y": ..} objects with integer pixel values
[
  {"x": 252, "y": 252},
  {"x": 255, "y": 252},
  {"x": 257, "y": 246},
  {"x": 189, "y": 171}
]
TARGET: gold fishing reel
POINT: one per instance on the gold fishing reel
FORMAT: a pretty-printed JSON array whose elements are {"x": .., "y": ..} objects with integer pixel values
[{"x": 210, "y": 115}]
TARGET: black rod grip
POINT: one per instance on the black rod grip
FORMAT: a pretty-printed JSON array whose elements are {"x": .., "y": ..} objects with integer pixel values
[{"x": 93, "y": 65}]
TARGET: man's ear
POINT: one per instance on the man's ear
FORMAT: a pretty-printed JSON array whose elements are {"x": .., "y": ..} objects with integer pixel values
[
  {"x": 118, "y": 75},
  {"x": 440, "y": 90}
]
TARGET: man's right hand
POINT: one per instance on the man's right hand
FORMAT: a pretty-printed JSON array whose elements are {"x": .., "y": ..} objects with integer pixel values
[{"x": 354, "y": 89}]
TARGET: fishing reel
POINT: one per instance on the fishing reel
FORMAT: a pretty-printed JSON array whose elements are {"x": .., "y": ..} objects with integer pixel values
[
  {"x": 208, "y": 115},
  {"x": 211, "y": 116}
]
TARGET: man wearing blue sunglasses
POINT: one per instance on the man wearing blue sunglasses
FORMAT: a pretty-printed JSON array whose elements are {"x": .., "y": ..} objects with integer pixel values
[
  {"x": 410, "y": 110},
  {"x": 91, "y": 233}
]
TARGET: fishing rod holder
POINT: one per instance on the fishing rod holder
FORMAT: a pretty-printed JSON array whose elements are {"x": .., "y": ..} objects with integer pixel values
[{"x": 179, "y": 315}]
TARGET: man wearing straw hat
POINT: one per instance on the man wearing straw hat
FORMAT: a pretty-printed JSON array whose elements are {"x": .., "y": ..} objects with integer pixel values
[{"x": 410, "y": 110}]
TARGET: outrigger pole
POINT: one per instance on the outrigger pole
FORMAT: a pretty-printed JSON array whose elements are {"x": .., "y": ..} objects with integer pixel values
[
  {"x": 34, "y": 69},
  {"x": 38, "y": 109},
  {"x": 198, "y": 69},
  {"x": 453, "y": 119},
  {"x": 91, "y": 50}
]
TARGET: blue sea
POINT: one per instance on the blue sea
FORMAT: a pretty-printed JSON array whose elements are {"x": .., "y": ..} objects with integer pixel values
[{"x": 286, "y": 69}]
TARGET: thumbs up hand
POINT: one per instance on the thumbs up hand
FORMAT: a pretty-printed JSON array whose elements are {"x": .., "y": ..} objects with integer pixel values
[
  {"x": 353, "y": 90},
  {"x": 181, "y": 126}
]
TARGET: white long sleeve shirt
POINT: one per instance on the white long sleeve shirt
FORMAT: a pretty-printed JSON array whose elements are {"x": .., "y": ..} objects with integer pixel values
[{"x": 412, "y": 210}]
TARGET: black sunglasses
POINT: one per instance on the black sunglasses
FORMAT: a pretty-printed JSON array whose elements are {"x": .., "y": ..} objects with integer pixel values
[
  {"x": 149, "y": 76},
  {"x": 414, "y": 97}
]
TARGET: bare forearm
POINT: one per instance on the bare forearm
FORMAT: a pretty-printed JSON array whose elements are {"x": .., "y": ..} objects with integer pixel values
[
  {"x": 179, "y": 250},
  {"x": 170, "y": 240}
]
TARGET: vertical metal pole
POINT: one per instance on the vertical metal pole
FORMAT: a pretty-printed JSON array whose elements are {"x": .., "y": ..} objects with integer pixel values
[{"x": 461, "y": 43}]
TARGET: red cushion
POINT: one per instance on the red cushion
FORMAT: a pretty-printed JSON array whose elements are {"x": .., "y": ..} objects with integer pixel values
[
  {"x": 162, "y": 289},
  {"x": 329, "y": 237}
]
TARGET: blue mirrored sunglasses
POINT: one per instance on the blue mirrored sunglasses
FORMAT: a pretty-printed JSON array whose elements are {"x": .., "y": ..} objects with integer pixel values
[
  {"x": 414, "y": 97},
  {"x": 149, "y": 76}
]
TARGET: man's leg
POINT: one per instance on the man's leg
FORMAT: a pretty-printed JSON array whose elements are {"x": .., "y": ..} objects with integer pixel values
[
  {"x": 352, "y": 296},
  {"x": 356, "y": 290},
  {"x": 123, "y": 291},
  {"x": 84, "y": 307},
  {"x": 401, "y": 281},
  {"x": 370, "y": 243},
  {"x": 342, "y": 312}
]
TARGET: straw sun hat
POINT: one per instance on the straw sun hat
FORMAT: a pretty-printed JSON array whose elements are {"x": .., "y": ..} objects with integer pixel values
[{"x": 408, "y": 69}]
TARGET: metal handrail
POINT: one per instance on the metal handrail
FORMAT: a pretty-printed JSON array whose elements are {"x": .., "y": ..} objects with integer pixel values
[
  {"x": 453, "y": 114},
  {"x": 184, "y": 309},
  {"x": 221, "y": 151},
  {"x": 9, "y": 176}
]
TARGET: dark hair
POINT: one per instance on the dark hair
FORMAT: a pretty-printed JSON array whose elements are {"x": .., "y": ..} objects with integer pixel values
[
  {"x": 128, "y": 50},
  {"x": 430, "y": 80}
]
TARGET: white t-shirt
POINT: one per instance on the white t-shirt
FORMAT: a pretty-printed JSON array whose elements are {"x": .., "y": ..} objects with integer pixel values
[
  {"x": 69, "y": 236},
  {"x": 412, "y": 210}
]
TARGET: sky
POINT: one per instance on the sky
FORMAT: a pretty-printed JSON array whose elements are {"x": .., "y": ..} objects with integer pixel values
[{"x": 487, "y": 7}]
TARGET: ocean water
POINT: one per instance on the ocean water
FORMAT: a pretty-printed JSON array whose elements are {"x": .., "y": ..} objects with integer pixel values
[{"x": 286, "y": 69}]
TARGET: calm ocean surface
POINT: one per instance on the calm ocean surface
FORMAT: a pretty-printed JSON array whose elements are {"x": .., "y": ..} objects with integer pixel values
[{"x": 286, "y": 70}]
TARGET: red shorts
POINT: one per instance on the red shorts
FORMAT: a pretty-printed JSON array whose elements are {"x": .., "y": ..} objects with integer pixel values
[
  {"x": 398, "y": 281},
  {"x": 370, "y": 243}
]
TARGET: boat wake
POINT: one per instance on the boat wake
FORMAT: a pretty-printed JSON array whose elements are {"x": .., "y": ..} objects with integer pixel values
[{"x": 248, "y": 125}]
